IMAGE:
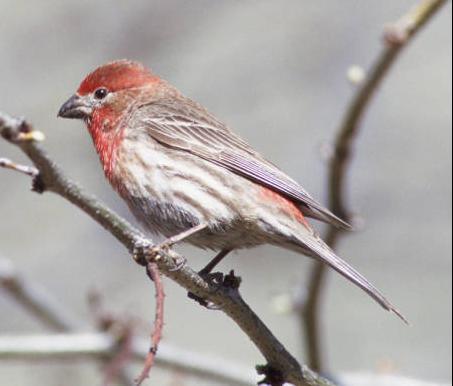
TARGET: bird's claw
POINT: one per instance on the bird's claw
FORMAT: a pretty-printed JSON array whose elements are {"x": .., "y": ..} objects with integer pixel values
[
  {"x": 217, "y": 279},
  {"x": 37, "y": 184},
  {"x": 232, "y": 281},
  {"x": 144, "y": 252},
  {"x": 180, "y": 263},
  {"x": 272, "y": 376},
  {"x": 203, "y": 302},
  {"x": 142, "y": 249},
  {"x": 154, "y": 252}
]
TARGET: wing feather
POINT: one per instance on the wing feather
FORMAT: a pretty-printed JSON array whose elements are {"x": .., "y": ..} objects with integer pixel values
[{"x": 195, "y": 130}]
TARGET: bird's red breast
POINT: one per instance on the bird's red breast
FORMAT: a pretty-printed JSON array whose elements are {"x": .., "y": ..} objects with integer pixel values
[{"x": 107, "y": 131}]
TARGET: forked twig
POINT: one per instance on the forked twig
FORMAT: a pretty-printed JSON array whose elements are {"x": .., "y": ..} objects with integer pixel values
[
  {"x": 24, "y": 169},
  {"x": 396, "y": 37},
  {"x": 52, "y": 179}
]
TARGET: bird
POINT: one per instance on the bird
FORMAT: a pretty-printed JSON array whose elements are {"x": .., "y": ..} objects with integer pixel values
[{"x": 181, "y": 170}]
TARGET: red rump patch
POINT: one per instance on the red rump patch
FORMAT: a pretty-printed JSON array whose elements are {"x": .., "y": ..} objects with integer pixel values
[
  {"x": 286, "y": 204},
  {"x": 118, "y": 75}
]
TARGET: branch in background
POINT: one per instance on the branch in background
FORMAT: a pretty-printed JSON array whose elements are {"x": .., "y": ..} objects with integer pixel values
[
  {"x": 51, "y": 178},
  {"x": 98, "y": 345},
  {"x": 39, "y": 302},
  {"x": 35, "y": 300},
  {"x": 396, "y": 37},
  {"x": 122, "y": 329}
]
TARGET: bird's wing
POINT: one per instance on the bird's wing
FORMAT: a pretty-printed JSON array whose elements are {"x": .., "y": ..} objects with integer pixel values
[{"x": 195, "y": 130}]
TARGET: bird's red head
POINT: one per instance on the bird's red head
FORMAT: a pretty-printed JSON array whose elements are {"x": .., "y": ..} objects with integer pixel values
[
  {"x": 107, "y": 87},
  {"x": 104, "y": 100},
  {"x": 116, "y": 76}
]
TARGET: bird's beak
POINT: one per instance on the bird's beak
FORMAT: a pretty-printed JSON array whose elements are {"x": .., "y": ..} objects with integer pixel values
[{"x": 75, "y": 107}]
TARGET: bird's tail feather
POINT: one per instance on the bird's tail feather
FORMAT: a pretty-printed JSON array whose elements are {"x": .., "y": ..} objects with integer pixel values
[{"x": 326, "y": 255}]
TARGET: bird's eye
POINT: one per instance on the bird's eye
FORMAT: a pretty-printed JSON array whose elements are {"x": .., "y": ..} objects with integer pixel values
[{"x": 101, "y": 93}]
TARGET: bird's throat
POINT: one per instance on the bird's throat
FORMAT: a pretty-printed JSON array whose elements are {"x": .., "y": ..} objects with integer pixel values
[{"x": 107, "y": 132}]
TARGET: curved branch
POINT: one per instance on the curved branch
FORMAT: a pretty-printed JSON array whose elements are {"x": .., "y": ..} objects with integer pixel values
[
  {"x": 35, "y": 300},
  {"x": 156, "y": 335},
  {"x": 396, "y": 37},
  {"x": 51, "y": 178},
  {"x": 42, "y": 305}
]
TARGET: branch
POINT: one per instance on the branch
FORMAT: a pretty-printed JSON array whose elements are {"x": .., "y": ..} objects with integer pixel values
[
  {"x": 43, "y": 306},
  {"x": 27, "y": 170},
  {"x": 99, "y": 345},
  {"x": 396, "y": 37},
  {"x": 34, "y": 299},
  {"x": 156, "y": 336},
  {"x": 52, "y": 179},
  {"x": 39, "y": 302}
]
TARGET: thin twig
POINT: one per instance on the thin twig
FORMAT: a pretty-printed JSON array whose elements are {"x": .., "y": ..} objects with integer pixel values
[
  {"x": 51, "y": 178},
  {"x": 43, "y": 306},
  {"x": 156, "y": 335},
  {"x": 65, "y": 347},
  {"x": 99, "y": 345},
  {"x": 56, "y": 317},
  {"x": 396, "y": 37},
  {"x": 27, "y": 170},
  {"x": 120, "y": 328},
  {"x": 115, "y": 368},
  {"x": 35, "y": 300}
]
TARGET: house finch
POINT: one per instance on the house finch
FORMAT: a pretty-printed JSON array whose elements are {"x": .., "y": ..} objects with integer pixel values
[{"x": 178, "y": 167}]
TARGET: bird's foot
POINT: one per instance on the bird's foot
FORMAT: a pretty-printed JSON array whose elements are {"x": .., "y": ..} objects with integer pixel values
[
  {"x": 272, "y": 376},
  {"x": 231, "y": 281},
  {"x": 218, "y": 280},
  {"x": 141, "y": 250},
  {"x": 180, "y": 263},
  {"x": 214, "y": 279},
  {"x": 37, "y": 184},
  {"x": 144, "y": 252}
]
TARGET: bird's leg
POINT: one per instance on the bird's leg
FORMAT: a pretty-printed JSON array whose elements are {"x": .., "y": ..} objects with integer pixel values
[
  {"x": 214, "y": 262},
  {"x": 207, "y": 274},
  {"x": 143, "y": 247},
  {"x": 217, "y": 278},
  {"x": 168, "y": 243},
  {"x": 181, "y": 236}
]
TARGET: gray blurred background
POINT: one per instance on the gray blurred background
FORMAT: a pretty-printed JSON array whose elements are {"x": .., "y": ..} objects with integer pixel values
[{"x": 276, "y": 72}]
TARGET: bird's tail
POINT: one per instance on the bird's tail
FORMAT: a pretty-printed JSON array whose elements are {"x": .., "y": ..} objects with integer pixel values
[{"x": 321, "y": 251}]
